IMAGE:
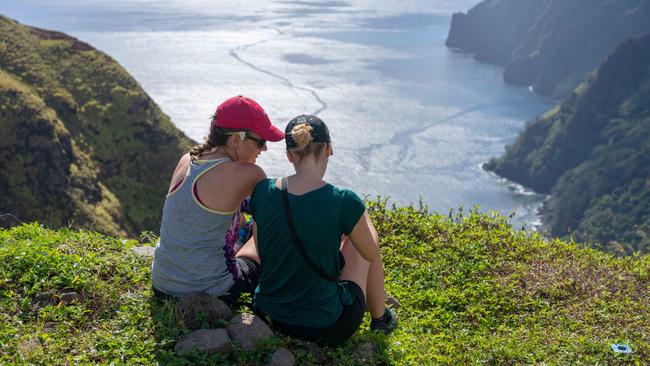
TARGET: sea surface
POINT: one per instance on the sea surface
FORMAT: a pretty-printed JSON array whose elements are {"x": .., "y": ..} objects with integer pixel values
[{"x": 410, "y": 119}]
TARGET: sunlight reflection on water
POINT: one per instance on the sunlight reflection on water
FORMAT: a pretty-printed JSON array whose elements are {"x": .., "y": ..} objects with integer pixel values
[{"x": 409, "y": 117}]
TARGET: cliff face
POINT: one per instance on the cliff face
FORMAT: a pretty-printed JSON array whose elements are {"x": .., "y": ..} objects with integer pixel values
[
  {"x": 549, "y": 44},
  {"x": 592, "y": 154},
  {"x": 81, "y": 143}
]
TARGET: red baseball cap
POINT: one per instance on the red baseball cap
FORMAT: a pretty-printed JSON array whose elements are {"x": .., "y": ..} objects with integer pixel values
[{"x": 245, "y": 114}]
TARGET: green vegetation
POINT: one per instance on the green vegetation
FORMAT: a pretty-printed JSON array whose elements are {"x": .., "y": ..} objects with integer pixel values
[
  {"x": 81, "y": 144},
  {"x": 592, "y": 154},
  {"x": 550, "y": 45},
  {"x": 473, "y": 290}
]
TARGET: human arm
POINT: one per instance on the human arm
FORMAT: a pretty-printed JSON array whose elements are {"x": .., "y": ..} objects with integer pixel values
[
  {"x": 179, "y": 173},
  {"x": 364, "y": 238}
]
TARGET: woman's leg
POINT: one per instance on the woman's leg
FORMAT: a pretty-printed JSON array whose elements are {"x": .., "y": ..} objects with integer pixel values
[
  {"x": 356, "y": 267},
  {"x": 376, "y": 297},
  {"x": 249, "y": 250}
]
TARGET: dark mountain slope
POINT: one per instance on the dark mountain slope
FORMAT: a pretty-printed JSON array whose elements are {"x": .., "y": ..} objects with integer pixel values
[
  {"x": 592, "y": 154},
  {"x": 81, "y": 143},
  {"x": 549, "y": 44}
]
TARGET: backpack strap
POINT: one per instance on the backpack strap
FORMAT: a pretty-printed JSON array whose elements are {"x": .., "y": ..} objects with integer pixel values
[{"x": 296, "y": 241}]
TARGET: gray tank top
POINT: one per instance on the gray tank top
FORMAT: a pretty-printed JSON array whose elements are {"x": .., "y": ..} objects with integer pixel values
[{"x": 193, "y": 253}]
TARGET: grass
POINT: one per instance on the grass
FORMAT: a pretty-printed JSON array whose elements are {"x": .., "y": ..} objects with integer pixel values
[{"x": 473, "y": 290}]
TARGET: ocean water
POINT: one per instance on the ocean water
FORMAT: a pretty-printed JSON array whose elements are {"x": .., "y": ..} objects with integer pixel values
[{"x": 410, "y": 119}]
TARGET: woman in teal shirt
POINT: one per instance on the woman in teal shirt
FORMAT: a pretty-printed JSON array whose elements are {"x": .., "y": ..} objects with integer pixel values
[{"x": 339, "y": 241}]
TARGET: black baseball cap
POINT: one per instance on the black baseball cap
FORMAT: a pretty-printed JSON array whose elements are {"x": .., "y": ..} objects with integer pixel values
[{"x": 319, "y": 133}]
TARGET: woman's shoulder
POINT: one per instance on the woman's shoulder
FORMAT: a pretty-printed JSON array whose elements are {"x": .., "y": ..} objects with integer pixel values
[
  {"x": 249, "y": 170},
  {"x": 348, "y": 199},
  {"x": 183, "y": 162},
  {"x": 266, "y": 185},
  {"x": 344, "y": 193},
  {"x": 261, "y": 194}
]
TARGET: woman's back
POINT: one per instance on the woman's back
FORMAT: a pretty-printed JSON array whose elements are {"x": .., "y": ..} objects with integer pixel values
[
  {"x": 193, "y": 254},
  {"x": 290, "y": 291}
]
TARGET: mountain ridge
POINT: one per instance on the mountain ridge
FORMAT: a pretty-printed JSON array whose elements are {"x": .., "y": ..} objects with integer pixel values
[
  {"x": 82, "y": 144},
  {"x": 592, "y": 155},
  {"x": 549, "y": 45}
]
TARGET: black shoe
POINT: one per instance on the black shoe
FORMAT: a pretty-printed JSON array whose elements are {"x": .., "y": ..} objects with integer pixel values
[{"x": 387, "y": 323}]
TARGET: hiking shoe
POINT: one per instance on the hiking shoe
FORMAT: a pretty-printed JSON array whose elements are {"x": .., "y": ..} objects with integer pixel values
[{"x": 387, "y": 323}]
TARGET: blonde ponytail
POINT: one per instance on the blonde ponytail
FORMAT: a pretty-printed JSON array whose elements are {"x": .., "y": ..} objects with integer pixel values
[{"x": 301, "y": 134}]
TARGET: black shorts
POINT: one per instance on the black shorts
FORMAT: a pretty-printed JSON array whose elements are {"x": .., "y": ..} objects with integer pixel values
[
  {"x": 338, "y": 332},
  {"x": 248, "y": 276},
  {"x": 246, "y": 282}
]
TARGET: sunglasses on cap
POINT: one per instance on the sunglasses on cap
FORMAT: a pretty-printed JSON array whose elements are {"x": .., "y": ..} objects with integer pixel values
[{"x": 244, "y": 135}]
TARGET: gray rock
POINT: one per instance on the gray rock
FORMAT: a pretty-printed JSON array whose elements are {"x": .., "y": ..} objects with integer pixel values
[
  {"x": 282, "y": 357},
  {"x": 71, "y": 297},
  {"x": 197, "y": 309},
  {"x": 392, "y": 302},
  {"x": 247, "y": 330},
  {"x": 317, "y": 353},
  {"x": 29, "y": 347},
  {"x": 42, "y": 300},
  {"x": 144, "y": 251},
  {"x": 365, "y": 352},
  {"x": 205, "y": 340}
]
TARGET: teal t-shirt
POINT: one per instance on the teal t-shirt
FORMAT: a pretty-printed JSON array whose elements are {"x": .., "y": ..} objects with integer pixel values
[{"x": 289, "y": 290}]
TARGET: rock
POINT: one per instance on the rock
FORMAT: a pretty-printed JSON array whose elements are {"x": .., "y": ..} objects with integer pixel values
[
  {"x": 29, "y": 347},
  {"x": 317, "y": 353},
  {"x": 71, "y": 297},
  {"x": 205, "y": 340},
  {"x": 197, "y": 309},
  {"x": 365, "y": 352},
  {"x": 145, "y": 251},
  {"x": 392, "y": 302},
  {"x": 247, "y": 330},
  {"x": 282, "y": 357},
  {"x": 42, "y": 300}
]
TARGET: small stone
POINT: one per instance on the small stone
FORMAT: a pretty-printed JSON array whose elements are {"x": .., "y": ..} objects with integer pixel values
[
  {"x": 316, "y": 353},
  {"x": 365, "y": 352},
  {"x": 198, "y": 309},
  {"x": 146, "y": 251},
  {"x": 282, "y": 357},
  {"x": 205, "y": 340},
  {"x": 392, "y": 302},
  {"x": 42, "y": 300},
  {"x": 247, "y": 330},
  {"x": 30, "y": 347},
  {"x": 71, "y": 297}
]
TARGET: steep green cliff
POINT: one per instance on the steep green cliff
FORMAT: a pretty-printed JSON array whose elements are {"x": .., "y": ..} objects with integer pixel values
[
  {"x": 81, "y": 143},
  {"x": 592, "y": 154},
  {"x": 551, "y": 45}
]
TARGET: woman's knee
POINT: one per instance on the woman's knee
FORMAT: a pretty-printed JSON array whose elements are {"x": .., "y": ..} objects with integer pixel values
[{"x": 356, "y": 267}]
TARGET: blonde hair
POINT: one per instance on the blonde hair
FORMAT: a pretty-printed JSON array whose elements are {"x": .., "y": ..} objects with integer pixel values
[{"x": 301, "y": 134}]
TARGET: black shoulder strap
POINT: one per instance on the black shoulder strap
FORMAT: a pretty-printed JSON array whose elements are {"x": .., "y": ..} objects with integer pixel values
[{"x": 294, "y": 237}]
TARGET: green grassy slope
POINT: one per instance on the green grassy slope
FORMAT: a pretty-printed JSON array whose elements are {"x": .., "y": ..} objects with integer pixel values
[
  {"x": 81, "y": 142},
  {"x": 592, "y": 154},
  {"x": 473, "y": 291}
]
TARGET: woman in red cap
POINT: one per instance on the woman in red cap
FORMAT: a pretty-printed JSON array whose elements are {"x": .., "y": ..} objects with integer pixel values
[{"x": 202, "y": 214}]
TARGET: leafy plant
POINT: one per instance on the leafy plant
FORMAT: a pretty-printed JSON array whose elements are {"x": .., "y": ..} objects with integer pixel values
[{"x": 473, "y": 290}]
